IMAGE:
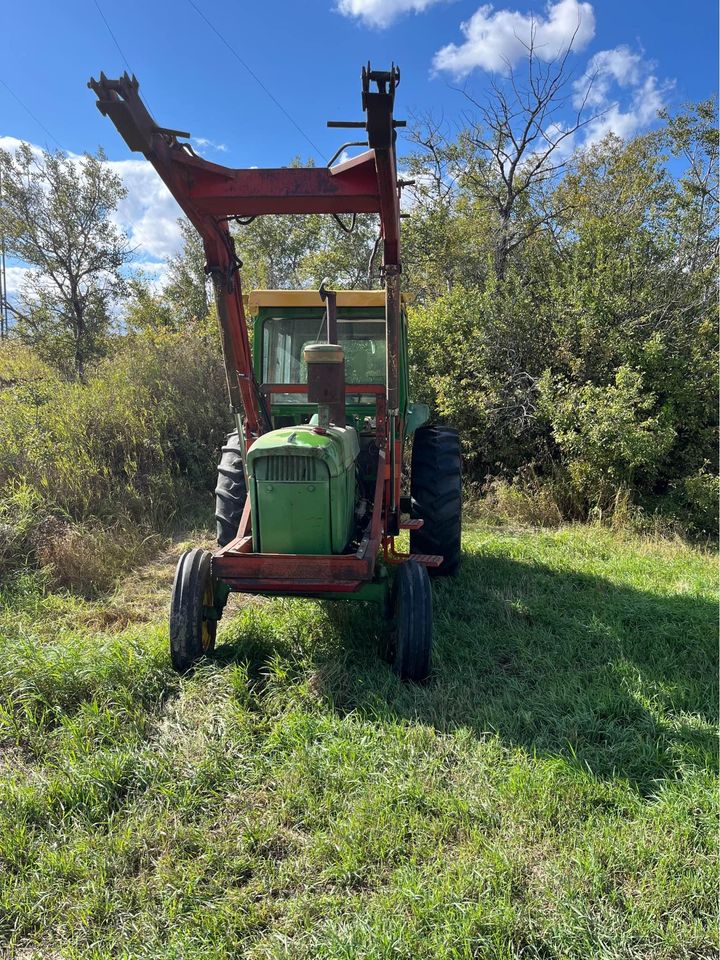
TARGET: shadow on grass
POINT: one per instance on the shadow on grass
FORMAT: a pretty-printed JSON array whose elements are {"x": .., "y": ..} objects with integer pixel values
[{"x": 621, "y": 681}]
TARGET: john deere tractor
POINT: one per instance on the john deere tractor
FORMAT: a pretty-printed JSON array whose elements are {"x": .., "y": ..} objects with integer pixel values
[{"x": 310, "y": 494}]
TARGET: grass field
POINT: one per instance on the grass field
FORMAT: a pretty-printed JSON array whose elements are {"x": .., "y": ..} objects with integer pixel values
[{"x": 550, "y": 793}]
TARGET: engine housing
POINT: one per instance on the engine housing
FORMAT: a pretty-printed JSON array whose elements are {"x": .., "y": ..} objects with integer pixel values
[{"x": 303, "y": 488}]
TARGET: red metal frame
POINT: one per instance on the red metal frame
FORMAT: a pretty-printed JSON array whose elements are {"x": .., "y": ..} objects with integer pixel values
[
  {"x": 209, "y": 194},
  {"x": 377, "y": 389}
]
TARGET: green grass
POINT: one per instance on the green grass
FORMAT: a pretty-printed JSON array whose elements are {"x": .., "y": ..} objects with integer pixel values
[{"x": 550, "y": 793}]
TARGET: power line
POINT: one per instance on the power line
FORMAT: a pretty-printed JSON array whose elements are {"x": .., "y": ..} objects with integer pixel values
[
  {"x": 27, "y": 109},
  {"x": 114, "y": 38},
  {"x": 256, "y": 78},
  {"x": 119, "y": 48}
]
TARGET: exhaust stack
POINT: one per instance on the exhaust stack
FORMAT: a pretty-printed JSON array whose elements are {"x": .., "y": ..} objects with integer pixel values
[{"x": 326, "y": 382}]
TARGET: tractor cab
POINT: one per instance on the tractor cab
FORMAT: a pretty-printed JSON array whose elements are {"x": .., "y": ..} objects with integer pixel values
[
  {"x": 311, "y": 479},
  {"x": 285, "y": 322}
]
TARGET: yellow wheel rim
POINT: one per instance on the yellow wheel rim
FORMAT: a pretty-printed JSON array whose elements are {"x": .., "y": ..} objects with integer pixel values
[{"x": 208, "y": 600}]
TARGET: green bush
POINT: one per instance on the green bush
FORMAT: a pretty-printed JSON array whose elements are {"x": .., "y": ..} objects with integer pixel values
[
  {"x": 475, "y": 357},
  {"x": 129, "y": 450},
  {"x": 565, "y": 421},
  {"x": 21, "y": 518},
  {"x": 585, "y": 358},
  {"x": 607, "y": 435},
  {"x": 131, "y": 442}
]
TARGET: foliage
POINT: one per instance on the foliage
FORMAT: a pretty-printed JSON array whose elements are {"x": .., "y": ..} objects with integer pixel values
[
  {"x": 594, "y": 356},
  {"x": 606, "y": 434},
  {"x": 476, "y": 356},
  {"x": 136, "y": 444},
  {"x": 564, "y": 315},
  {"x": 57, "y": 217},
  {"x": 186, "y": 293},
  {"x": 146, "y": 308},
  {"x": 299, "y": 252},
  {"x": 182, "y": 300},
  {"x": 275, "y": 252},
  {"x": 694, "y": 499},
  {"x": 551, "y": 791}
]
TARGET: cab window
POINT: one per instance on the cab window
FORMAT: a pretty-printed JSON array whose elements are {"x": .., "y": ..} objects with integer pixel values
[{"x": 284, "y": 341}]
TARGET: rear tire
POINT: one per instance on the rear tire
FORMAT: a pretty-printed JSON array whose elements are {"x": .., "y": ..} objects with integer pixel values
[
  {"x": 231, "y": 490},
  {"x": 436, "y": 496},
  {"x": 410, "y": 649},
  {"x": 192, "y": 632}
]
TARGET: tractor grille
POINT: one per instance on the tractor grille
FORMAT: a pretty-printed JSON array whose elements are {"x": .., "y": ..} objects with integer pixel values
[{"x": 291, "y": 469}]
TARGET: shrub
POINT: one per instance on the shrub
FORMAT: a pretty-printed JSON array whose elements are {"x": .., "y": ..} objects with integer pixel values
[
  {"x": 129, "y": 450},
  {"x": 607, "y": 435},
  {"x": 21, "y": 519},
  {"x": 129, "y": 444},
  {"x": 87, "y": 557},
  {"x": 528, "y": 500},
  {"x": 476, "y": 356}
]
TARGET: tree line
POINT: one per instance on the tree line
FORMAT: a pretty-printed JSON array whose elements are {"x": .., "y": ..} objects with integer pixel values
[{"x": 564, "y": 311}]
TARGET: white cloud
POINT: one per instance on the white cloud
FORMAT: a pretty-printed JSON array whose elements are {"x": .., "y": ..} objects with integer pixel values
[
  {"x": 203, "y": 143},
  {"x": 12, "y": 143},
  {"x": 620, "y": 72},
  {"x": 381, "y": 13},
  {"x": 647, "y": 101},
  {"x": 150, "y": 266},
  {"x": 156, "y": 274},
  {"x": 620, "y": 65},
  {"x": 148, "y": 213},
  {"x": 495, "y": 40},
  {"x": 15, "y": 277}
]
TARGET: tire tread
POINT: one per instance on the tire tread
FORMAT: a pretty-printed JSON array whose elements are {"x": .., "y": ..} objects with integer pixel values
[
  {"x": 230, "y": 491},
  {"x": 436, "y": 496}
]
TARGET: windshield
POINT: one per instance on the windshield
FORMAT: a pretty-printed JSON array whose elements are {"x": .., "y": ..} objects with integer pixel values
[{"x": 284, "y": 341}]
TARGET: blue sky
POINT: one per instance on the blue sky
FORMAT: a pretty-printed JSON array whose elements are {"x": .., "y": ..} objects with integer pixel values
[{"x": 309, "y": 54}]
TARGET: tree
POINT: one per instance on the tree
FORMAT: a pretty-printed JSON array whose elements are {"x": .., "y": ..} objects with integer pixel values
[
  {"x": 693, "y": 136},
  {"x": 186, "y": 292},
  {"x": 590, "y": 364},
  {"x": 636, "y": 287},
  {"x": 611, "y": 436},
  {"x": 57, "y": 217},
  {"x": 512, "y": 151},
  {"x": 146, "y": 309},
  {"x": 443, "y": 246},
  {"x": 514, "y": 148}
]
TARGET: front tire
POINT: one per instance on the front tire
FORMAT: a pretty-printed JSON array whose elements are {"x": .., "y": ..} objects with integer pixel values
[
  {"x": 192, "y": 630},
  {"x": 410, "y": 649},
  {"x": 436, "y": 496}
]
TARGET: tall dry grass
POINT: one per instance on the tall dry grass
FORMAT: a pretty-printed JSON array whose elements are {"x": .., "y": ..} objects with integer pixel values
[{"x": 90, "y": 472}]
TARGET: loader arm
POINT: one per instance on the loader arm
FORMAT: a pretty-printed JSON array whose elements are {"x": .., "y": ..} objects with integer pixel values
[{"x": 209, "y": 194}]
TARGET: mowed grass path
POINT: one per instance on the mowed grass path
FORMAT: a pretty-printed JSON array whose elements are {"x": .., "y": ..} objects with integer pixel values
[{"x": 550, "y": 793}]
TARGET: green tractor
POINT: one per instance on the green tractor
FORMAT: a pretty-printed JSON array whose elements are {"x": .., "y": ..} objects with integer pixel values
[
  {"x": 309, "y": 496},
  {"x": 312, "y": 493}
]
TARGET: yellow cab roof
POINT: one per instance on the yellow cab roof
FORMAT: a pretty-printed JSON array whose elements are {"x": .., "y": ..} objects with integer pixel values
[{"x": 311, "y": 298}]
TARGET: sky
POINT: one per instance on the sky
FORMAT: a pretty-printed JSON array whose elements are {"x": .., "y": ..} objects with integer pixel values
[{"x": 254, "y": 82}]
